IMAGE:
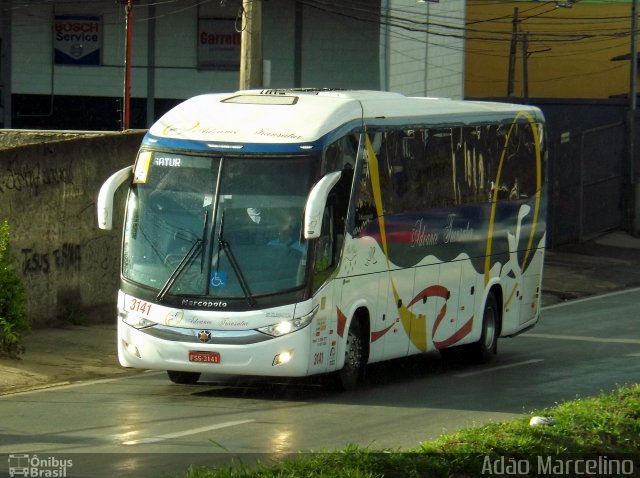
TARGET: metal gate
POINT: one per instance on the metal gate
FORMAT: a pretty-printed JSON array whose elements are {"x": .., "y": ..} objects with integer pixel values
[
  {"x": 586, "y": 183},
  {"x": 601, "y": 180}
]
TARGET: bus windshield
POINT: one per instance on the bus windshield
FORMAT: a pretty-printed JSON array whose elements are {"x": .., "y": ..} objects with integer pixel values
[{"x": 217, "y": 227}]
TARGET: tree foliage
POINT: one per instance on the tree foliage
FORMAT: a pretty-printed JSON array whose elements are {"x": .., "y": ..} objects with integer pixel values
[{"x": 14, "y": 322}]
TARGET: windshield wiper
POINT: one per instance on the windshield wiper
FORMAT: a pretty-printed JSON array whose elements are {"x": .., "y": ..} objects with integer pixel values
[
  {"x": 226, "y": 247},
  {"x": 196, "y": 247}
]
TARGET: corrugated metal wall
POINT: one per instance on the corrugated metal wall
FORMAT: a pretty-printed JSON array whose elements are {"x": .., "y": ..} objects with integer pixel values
[{"x": 589, "y": 169}]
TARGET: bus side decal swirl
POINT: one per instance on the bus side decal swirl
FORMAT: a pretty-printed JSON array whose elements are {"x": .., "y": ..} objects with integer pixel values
[
  {"x": 490, "y": 232},
  {"x": 414, "y": 325}
]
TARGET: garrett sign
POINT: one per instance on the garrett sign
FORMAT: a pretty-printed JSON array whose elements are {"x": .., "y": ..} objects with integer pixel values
[{"x": 218, "y": 44}]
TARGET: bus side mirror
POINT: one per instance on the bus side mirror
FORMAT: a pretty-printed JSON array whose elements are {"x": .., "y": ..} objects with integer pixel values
[
  {"x": 106, "y": 194},
  {"x": 315, "y": 205}
]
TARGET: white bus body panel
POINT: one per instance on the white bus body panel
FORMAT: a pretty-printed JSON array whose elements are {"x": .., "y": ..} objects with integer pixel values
[{"x": 310, "y": 347}]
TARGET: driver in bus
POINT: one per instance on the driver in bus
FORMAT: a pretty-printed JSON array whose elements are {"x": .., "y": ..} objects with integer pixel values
[{"x": 288, "y": 236}]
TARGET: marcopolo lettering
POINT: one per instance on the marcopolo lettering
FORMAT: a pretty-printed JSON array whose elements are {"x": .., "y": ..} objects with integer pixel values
[{"x": 203, "y": 303}]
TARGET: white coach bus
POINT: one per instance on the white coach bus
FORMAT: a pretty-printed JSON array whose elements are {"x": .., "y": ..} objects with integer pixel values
[{"x": 288, "y": 233}]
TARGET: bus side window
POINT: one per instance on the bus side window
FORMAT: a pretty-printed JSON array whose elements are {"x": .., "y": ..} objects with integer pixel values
[
  {"x": 325, "y": 252},
  {"x": 341, "y": 154}
]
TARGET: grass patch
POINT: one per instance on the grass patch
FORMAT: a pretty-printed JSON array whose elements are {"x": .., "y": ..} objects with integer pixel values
[{"x": 601, "y": 432}]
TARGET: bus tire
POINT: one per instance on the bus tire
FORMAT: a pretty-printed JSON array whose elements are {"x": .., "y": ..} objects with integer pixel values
[
  {"x": 352, "y": 373},
  {"x": 183, "y": 378},
  {"x": 486, "y": 348}
]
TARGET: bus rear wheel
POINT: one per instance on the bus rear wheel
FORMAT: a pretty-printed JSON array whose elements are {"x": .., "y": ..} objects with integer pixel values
[
  {"x": 486, "y": 348},
  {"x": 183, "y": 378}
]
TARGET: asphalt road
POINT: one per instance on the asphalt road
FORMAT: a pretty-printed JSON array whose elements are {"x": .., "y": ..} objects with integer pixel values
[{"x": 143, "y": 425}]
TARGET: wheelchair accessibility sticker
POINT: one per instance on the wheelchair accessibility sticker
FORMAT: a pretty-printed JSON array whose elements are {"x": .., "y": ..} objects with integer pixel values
[{"x": 218, "y": 279}]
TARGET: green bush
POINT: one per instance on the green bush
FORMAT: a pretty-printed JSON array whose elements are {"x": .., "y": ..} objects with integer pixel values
[{"x": 14, "y": 322}]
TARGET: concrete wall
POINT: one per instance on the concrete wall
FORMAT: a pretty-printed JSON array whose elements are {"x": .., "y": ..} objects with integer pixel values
[{"x": 48, "y": 193}]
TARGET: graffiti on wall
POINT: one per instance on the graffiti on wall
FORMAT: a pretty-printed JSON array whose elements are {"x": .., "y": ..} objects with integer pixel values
[
  {"x": 67, "y": 258},
  {"x": 20, "y": 176}
]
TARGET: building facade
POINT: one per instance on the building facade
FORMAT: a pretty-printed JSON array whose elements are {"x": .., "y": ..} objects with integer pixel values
[{"x": 63, "y": 61}]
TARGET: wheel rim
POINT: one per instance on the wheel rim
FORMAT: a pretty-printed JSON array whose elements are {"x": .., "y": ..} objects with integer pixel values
[
  {"x": 353, "y": 358},
  {"x": 489, "y": 328}
]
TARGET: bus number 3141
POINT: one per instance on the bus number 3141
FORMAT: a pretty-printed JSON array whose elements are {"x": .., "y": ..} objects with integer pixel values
[{"x": 140, "y": 306}]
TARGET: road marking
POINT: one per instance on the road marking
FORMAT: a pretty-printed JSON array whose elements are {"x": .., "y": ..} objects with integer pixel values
[
  {"x": 501, "y": 367},
  {"x": 582, "y": 338},
  {"x": 48, "y": 387},
  {"x": 192, "y": 431},
  {"x": 590, "y": 298}
]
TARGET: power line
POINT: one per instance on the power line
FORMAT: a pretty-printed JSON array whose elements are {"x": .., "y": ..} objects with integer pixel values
[
  {"x": 401, "y": 19},
  {"x": 452, "y": 30}
]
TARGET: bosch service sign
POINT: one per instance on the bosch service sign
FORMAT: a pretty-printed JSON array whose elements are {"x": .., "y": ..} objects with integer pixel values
[{"x": 77, "y": 40}]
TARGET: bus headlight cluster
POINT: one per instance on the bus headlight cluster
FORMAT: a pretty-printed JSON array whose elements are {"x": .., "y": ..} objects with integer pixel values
[{"x": 288, "y": 326}]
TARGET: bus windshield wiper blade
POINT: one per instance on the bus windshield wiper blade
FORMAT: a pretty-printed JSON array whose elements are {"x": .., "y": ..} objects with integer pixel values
[
  {"x": 236, "y": 268},
  {"x": 195, "y": 248},
  {"x": 226, "y": 247}
]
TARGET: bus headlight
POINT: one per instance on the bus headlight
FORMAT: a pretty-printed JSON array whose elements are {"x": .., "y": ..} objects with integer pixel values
[{"x": 288, "y": 326}]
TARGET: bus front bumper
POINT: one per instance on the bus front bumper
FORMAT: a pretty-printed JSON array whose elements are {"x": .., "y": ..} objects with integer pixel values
[{"x": 285, "y": 356}]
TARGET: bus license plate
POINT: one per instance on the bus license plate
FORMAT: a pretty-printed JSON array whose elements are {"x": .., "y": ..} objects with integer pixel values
[{"x": 204, "y": 357}]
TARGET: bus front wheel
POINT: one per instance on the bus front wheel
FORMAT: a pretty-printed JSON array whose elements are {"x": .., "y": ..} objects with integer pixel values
[
  {"x": 183, "y": 378},
  {"x": 352, "y": 373}
]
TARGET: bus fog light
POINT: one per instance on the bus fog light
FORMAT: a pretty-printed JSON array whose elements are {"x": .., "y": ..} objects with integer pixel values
[
  {"x": 132, "y": 349},
  {"x": 282, "y": 358}
]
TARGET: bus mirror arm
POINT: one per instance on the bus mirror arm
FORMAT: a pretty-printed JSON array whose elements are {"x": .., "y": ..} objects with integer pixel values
[
  {"x": 316, "y": 202},
  {"x": 106, "y": 194}
]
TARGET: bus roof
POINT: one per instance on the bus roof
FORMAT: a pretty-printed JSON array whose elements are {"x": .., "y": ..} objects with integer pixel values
[{"x": 299, "y": 116}]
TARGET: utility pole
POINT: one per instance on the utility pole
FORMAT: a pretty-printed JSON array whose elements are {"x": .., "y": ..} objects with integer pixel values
[
  {"x": 631, "y": 119},
  {"x": 251, "y": 45},
  {"x": 525, "y": 65},
  {"x": 512, "y": 53},
  {"x": 127, "y": 67}
]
